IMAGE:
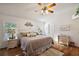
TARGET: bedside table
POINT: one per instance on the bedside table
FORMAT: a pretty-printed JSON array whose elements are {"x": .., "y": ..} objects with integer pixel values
[{"x": 12, "y": 43}]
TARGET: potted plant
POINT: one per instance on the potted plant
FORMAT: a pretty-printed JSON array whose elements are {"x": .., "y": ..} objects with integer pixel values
[
  {"x": 76, "y": 14},
  {"x": 10, "y": 27},
  {"x": 77, "y": 11}
]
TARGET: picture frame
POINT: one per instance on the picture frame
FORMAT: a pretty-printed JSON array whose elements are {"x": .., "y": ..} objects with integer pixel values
[{"x": 65, "y": 28}]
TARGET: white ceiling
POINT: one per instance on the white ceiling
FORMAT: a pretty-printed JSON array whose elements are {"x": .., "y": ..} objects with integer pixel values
[{"x": 28, "y": 9}]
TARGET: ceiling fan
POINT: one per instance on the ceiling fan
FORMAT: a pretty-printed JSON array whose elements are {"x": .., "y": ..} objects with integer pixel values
[{"x": 46, "y": 7}]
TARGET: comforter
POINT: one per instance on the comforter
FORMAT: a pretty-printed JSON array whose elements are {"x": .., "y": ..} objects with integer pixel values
[{"x": 37, "y": 43}]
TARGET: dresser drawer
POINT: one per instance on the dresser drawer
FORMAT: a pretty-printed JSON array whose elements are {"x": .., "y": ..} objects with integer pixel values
[{"x": 12, "y": 43}]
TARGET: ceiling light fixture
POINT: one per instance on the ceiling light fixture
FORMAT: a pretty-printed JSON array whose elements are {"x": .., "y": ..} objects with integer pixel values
[{"x": 46, "y": 8}]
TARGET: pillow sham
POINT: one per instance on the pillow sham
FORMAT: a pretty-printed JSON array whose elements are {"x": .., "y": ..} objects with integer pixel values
[{"x": 28, "y": 34}]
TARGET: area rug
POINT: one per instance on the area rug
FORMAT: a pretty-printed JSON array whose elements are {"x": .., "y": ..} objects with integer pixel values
[
  {"x": 49, "y": 52},
  {"x": 52, "y": 52}
]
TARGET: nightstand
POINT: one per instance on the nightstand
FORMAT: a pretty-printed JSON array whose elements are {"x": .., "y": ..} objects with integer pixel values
[{"x": 12, "y": 43}]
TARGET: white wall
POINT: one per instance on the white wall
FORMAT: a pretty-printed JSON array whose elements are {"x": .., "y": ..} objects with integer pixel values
[{"x": 66, "y": 19}]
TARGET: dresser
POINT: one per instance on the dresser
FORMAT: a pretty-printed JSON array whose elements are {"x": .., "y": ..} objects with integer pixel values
[{"x": 12, "y": 43}]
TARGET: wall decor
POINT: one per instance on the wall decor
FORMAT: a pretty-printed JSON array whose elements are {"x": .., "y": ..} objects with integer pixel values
[
  {"x": 64, "y": 28},
  {"x": 28, "y": 24}
]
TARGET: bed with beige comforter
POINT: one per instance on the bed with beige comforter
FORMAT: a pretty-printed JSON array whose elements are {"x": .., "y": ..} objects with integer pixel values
[{"x": 36, "y": 45}]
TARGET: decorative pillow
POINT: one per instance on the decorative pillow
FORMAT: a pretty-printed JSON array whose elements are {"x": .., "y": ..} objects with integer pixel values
[
  {"x": 23, "y": 34},
  {"x": 28, "y": 35},
  {"x": 33, "y": 34}
]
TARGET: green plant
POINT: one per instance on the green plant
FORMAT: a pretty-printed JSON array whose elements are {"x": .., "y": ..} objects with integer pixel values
[
  {"x": 77, "y": 11},
  {"x": 10, "y": 26}
]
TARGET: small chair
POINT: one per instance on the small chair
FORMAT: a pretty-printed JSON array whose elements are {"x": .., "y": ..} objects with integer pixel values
[{"x": 63, "y": 40}]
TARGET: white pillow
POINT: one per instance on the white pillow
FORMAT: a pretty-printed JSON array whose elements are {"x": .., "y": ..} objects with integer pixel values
[
  {"x": 28, "y": 35},
  {"x": 33, "y": 34}
]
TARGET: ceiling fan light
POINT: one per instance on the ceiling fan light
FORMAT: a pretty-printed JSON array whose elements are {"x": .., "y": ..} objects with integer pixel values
[
  {"x": 43, "y": 12},
  {"x": 46, "y": 11}
]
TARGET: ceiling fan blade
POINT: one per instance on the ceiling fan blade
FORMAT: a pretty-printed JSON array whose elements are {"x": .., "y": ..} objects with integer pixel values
[
  {"x": 40, "y": 4},
  {"x": 50, "y": 11},
  {"x": 54, "y": 4}
]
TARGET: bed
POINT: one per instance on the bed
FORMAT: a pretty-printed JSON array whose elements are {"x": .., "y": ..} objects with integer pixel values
[{"x": 36, "y": 44}]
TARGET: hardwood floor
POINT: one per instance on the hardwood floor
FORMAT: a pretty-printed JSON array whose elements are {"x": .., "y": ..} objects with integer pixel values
[
  {"x": 70, "y": 51},
  {"x": 10, "y": 52}
]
